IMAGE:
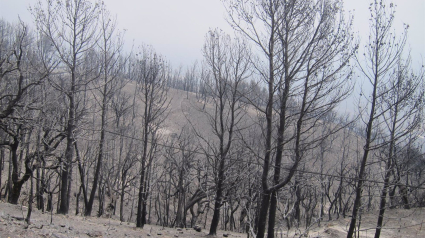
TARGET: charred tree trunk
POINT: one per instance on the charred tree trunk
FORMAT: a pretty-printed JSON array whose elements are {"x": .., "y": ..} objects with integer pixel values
[
  {"x": 141, "y": 217},
  {"x": 15, "y": 191},
  {"x": 180, "y": 202},
  {"x": 40, "y": 188},
  {"x": 16, "y": 182},
  {"x": 218, "y": 198},
  {"x": 82, "y": 177},
  {"x": 101, "y": 197},
  {"x": 123, "y": 179},
  {"x": 69, "y": 153},
  {"x": 89, "y": 205}
]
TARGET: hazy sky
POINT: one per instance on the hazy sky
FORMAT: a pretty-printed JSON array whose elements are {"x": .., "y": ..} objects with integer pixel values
[{"x": 176, "y": 28}]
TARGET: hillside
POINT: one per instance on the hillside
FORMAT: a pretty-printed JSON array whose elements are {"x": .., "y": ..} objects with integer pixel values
[
  {"x": 12, "y": 225},
  {"x": 185, "y": 107},
  {"x": 402, "y": 223}
]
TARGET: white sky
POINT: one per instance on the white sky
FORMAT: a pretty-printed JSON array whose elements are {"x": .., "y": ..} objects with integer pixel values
[{"x": 176, "y": 28}]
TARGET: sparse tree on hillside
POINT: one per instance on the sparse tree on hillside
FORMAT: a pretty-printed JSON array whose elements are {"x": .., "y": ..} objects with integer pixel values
[
  {"x": 150, "y": 75},
  {"x": 229, "y": 64},
  {"x": 401, "y": 104},
  {"x": 71, "y": 27},
  {"x": 24, "y": 64},
  {"x": 110, "y": 45},
  {"x": 382, "y": 54},
  {"x": 408, "y": 171},
  {"x": 20, "y": 55},
  {"x": 243, "y": 15},
  {"x": 307, "y": 47},
  {"x": 122, "y": 106},
  {"x": 190, "y": 80},
  {"x": 181, "y": 155}
]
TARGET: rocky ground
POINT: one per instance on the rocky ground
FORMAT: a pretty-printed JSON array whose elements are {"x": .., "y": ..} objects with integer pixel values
[{"x": 399, "y": 223}]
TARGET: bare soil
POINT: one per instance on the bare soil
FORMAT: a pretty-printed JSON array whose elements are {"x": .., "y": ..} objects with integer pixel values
[
  {"x": 398, "y": 223},
  {"x": 12, "y": 224}
]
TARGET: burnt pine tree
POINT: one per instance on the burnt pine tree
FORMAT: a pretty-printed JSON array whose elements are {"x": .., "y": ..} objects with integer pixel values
[
  {"x": 381, "y": 56},
  {"x": 315, "y": 74},
  {"x": 401, "y": 105},
  {"x": 307, "y": 48},
  {"x": 152, "y": 90},
  {"x": 24, "y": 66},
  {"x": 229, "y": 65},
  {"x": 109, "y": 45},
  {"x": 71, "y": 27},
  {"x": 248, "y": 17}
]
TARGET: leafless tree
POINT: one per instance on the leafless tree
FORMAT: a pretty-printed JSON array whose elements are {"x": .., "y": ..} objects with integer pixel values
[
  {"x": 19, "y": 50},
  {"x": 401, "y": 104},
  {"x": 125, "y": 127},
  {"x": 381, "y": 56},
  {"x": 71, "y": 27},
  {"x": 307, "y": 47},
  {"x": 229, "y": 65},
  {"x": 24, "y": 64},
  {"x": 181, "y": 154},
  {"x": 110, "y": 46},
  {"x": 190, "y": 80},
  {"x": 149, "y": 75}
]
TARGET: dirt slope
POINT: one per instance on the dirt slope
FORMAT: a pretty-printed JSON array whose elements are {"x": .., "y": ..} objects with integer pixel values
[
  {"x": 12, "y": 225},
  {"x": 399, "y": 223}
]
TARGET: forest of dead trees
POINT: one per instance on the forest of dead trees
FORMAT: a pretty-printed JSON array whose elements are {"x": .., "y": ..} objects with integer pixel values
[{"x": 88, "y": 128}]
